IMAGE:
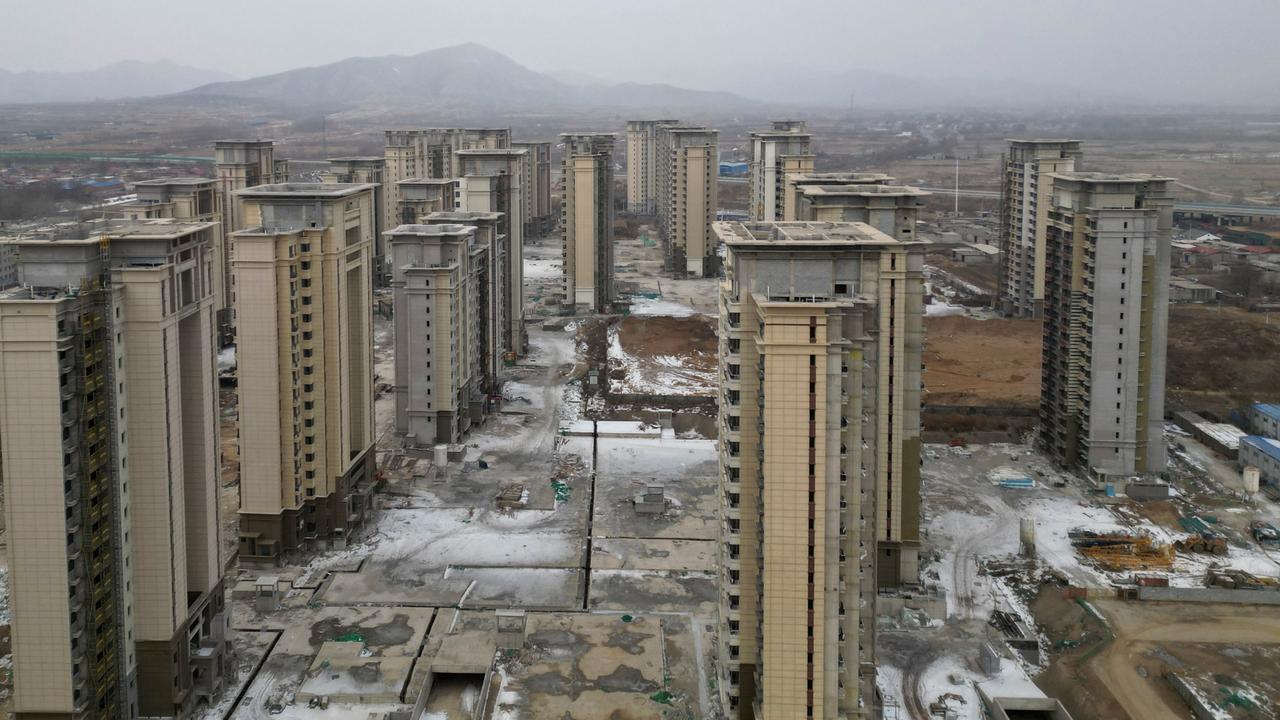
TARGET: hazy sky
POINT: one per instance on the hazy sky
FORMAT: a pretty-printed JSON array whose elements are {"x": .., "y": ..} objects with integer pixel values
[{"x": 1171, "y": 45}]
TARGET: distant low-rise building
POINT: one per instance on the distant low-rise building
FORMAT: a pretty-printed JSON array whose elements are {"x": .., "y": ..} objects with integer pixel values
[
  {"x": 1182, "y": 290},
  {"x": 1264, "y": 454},
  {"x": 1264, "y": 419}
]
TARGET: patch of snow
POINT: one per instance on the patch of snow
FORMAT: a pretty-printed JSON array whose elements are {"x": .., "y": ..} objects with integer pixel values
[{"x": 648, "y": 306}]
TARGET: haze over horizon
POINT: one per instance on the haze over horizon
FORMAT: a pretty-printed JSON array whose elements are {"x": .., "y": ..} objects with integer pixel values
[{"x": 1140, "y": 50}]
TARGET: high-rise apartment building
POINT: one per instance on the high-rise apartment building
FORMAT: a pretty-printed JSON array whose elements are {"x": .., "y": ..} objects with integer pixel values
[
  {"x": 428, "y": 153},
  {"x": 441, "y": 294},
  {"x": 688, "y": 184},
  {"x": 240, "y": 164},
  {"x": 782, "y": 150},
  {"x": 642, "y": 164},
  {"x": 420, "y": 197},
  {"x": 491, "y": 180},
  {"x": 1025, "y": 190},
  {"x": 367, "y": 169},
  {"x": 303, "y": 271},
  {"x": 537, "y": 186},
  {"x": 588, "y": 221},
  {"x": 795, "y": 184},
  {"x": 1106, "y": 311},
  {"x": 108, "y": 444},
  {"x": 819, "y": 434}
]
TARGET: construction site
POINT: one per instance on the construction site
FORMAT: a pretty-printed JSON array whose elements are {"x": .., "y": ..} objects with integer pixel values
[{"x": 563, "y": 561}]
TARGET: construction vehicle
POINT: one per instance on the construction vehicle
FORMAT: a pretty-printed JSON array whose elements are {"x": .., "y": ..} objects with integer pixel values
[{"x": 1210, "y": 543}]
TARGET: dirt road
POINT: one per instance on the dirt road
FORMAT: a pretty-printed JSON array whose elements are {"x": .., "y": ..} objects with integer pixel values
[{"x": 1141, "y": 627}]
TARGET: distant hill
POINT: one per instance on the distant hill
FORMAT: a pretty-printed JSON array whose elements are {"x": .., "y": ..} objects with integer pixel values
[
  {"x": 470, "y": 74},
  {"x": 126, "y": 79}
]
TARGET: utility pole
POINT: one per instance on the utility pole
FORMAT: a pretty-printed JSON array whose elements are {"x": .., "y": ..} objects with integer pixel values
[{"x": 957, "y": 184}]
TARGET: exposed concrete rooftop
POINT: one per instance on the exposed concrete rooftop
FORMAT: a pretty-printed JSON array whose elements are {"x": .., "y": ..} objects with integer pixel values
[
  {"x": 440, "y": 230},
  {"x": 427, "y": 181},
  {"x": 492, "y": 152},
  {"x": 306, "y": 190},
  {"x": 842, "y": 178},
  {"x": 803, "y": 233},
  {"x": 1101, "y": 177},
  {"x": 465, "y": 216},
  {"x": 161, "y": 182},
  {"x": 158, "y": 229},
  {"x": 864, "y": 190}
]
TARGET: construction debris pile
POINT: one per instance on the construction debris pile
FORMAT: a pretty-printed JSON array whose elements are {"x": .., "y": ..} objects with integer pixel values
[
  {"x": 1240, "y": 580},
  {"x": 1122, "y": 552}
]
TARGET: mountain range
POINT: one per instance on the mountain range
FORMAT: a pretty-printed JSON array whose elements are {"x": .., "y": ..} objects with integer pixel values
[
  {"x": 129, "y": 78},
  {"x": 467, "y": 74},
  {"x": 472, "y": 76}
]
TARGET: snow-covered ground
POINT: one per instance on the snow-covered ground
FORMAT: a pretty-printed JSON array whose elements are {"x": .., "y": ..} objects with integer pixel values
[
  {"x": 649, "y": 306},
  {"x": 542, "y": 269}
]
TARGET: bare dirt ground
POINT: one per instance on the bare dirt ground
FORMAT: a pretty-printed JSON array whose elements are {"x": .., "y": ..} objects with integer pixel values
[
  {"x": 1224, "y": 650},
  {"x": 1221, "y": 358},
  {"x": 979, "y": 275},
  {"x": 981, "y": 362}
]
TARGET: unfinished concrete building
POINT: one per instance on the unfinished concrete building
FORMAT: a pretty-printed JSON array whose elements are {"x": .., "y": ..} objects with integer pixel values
[
  {"x": 642, "y": 164},
  {"x": 366, "y": 169},
  {"x": 782, "y": 150},
  {"x": 1026, "y": 186},
  {"x": 419, "y": 197},
  {"x": 795, "y": 184},
  {"x": 441, "y": 292},
  {"x": 304, "y": 357},
  {"x": 689, "y": 185},
  {"x": 891, "y": 209},
  {"x": 1106, "y": 309},
  {"x": 537, "y": 187},
  {"x": 240, "y": 164},
  {"x": 487, "y": 226},
  {"x": 819, "y": 435},
  {"x": 428, "y": 153},
  {"x": 110, "y": 461},
  {"x": 491, "y": 180},
  {"x": 588, "y": 221}
]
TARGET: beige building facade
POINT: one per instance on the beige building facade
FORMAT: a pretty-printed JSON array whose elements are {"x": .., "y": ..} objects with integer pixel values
[
  {"x": 690, "y": 187},
  {"x": 115, "y": 453},
  {"x": 537, "y": 186},
  {"x": 819, "y": 434},
  {"x": 1106, "y": 317},
  {"x": 367, "y": 169},
  {"x": 588, "y": 221},
  {"x": 429, "y": 153},
  {"x": 303, "y": 270},
  {"x": 240, "y": 164},
  {"x": 643, "y": 162},
  {"x": 1025, "y": 198},
  {"x": 492, "y": 180},
  {"x": 782, "y": 150}
]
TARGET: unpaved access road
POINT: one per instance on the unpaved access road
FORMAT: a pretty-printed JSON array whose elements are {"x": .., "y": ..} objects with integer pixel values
[{"x": 1140, "y": 627}]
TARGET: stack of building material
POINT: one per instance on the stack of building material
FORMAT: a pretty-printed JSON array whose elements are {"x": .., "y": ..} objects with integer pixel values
[{"x": 1118, "y": 552}]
